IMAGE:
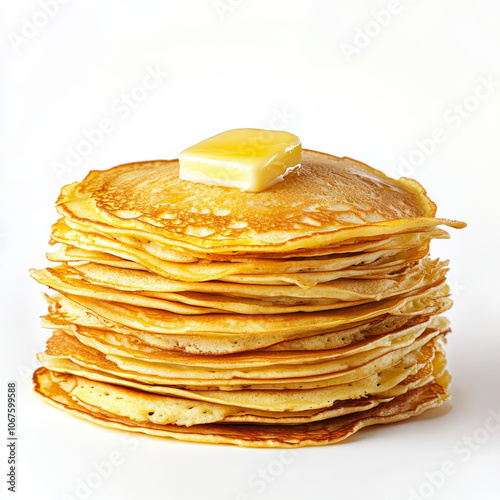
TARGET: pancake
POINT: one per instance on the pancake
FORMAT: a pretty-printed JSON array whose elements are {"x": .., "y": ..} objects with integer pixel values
[
  {"x": 342, "y": 371},
  {"x": 276, "y": 326},
  {"x": 414, "y": 238},
  {"x": 415, "y": 376},
  {"x": 206, "y": 270},
  {"x": 325, "y": 432},
  {"x": 395, "y": 379},
  {"x": 432, "y": 301},
  {"x": 189, "y": 408},
  {"x": 341, "y": 293},
  {"x": 121, "y": 346},
  {"x": 139, "y": 281},
  {"x": 69, "y": 253},
  {"x": 329, "y": 200},
  {"x": 382, "y": 268}
]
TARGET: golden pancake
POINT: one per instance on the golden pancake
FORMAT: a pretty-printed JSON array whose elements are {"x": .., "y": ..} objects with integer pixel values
[
  {"x": 69, "y": 253},
  {"x": 411, "y": 369},
  {"x": 343, "y": 371},
  {"x": 430, "y": 302},
  {"x": 169, "y": 253},
  {"x": 206, "y": 270},
  {"x": 381, "y": 268},
  {"x": 329, "y": 200},
  {"x": 318, "y": 433},
  {"x": 341, "y": 293},
  {"x": 415, "y": 369},
  {"x": 122, "y": 346},
  {"x": 163, "y": 409}
]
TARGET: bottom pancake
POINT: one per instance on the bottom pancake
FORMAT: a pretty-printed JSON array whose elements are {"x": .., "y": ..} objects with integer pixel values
[{"x": 329, "y": 431}]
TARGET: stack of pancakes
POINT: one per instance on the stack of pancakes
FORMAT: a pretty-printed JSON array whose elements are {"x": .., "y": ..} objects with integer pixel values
[{"x": 290, "y": 317}]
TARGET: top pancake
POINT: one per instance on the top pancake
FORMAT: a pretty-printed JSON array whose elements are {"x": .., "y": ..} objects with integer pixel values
[{"x": 326, "y": 201}]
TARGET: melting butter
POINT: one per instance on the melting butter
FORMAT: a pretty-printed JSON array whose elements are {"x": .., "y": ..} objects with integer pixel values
[{"x": 247, "y": 158}]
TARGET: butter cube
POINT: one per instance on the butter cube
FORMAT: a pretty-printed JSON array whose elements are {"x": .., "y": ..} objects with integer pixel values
[{"x": 247, "y": 158}]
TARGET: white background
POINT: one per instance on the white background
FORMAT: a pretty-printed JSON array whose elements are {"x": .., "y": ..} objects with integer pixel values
[{"x": 304, "y": 66}]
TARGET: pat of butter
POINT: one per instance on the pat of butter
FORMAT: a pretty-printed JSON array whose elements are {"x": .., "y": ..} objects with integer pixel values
[{"x": 247, "y": 158}]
